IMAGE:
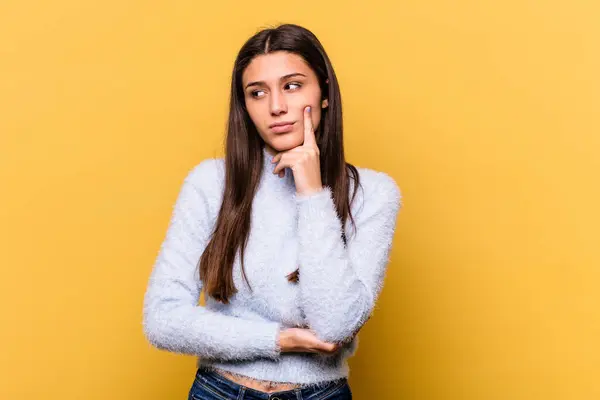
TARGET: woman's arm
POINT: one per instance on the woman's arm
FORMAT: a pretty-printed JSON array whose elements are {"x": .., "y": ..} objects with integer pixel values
[
  {"x": 172, "y": 318},
  {"x": 339, "y": 286}
]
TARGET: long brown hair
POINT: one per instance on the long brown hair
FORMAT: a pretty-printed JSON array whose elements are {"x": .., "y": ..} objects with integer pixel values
[{"x": 244, "y": 157}]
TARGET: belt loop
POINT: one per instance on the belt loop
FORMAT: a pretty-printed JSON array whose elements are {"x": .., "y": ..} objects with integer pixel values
[
  {"x": 298, "y": 394},
  {"x": 241, "y": 393}
]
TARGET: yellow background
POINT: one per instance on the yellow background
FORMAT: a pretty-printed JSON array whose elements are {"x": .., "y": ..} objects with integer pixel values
[{"x": 485, "y": 112}]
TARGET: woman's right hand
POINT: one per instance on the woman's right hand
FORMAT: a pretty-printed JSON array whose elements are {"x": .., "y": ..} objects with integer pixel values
[{"x": 302, "y": 340}]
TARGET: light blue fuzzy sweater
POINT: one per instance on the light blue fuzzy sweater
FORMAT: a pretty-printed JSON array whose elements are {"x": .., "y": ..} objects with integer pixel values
[{"x": 336, "y": 293}]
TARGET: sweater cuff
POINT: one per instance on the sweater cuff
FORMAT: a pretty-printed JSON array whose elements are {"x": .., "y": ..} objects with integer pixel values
[
  {"x": 266, "y": 340},
  {"x": 317, "y": 217},
  {"x": 317, "y": 204},
  {"x": 315, "y": 197}
]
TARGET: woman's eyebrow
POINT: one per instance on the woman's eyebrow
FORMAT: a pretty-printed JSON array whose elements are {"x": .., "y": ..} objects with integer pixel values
[{"x": 258, "y": 83}]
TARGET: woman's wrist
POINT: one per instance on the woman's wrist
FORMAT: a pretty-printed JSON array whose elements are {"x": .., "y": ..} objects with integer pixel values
[{"x": 284, "y": 339}]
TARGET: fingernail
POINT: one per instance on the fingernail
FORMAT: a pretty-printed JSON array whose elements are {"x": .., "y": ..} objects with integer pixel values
[{"x": 308, "y": 108}]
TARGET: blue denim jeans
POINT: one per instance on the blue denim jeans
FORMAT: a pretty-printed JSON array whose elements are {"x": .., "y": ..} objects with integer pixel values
[{"x": 210, "y": 385}]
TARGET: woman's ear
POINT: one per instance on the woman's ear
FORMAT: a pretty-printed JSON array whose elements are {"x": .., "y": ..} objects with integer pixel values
[{"x": 325, "y": 103}]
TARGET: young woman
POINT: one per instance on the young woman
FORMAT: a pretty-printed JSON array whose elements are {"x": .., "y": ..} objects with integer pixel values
[{"x": 291, "y": 255}]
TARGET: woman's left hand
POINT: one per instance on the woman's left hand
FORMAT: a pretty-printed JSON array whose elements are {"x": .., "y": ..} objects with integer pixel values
[{"x": 303, "y": 160}]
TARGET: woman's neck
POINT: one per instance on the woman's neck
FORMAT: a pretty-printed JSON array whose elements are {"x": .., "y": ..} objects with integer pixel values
[{"x": 270, "y": 150}]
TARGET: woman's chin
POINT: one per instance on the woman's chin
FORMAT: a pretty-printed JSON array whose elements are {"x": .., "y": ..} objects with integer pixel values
[{"x": 285, "y": 142}]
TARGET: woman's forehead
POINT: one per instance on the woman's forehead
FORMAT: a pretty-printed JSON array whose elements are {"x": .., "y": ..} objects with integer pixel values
[{"x": 273, "y": 66}]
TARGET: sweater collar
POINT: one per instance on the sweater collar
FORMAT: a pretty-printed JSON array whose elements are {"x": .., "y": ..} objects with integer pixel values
[{"x": 270, "y": 178}]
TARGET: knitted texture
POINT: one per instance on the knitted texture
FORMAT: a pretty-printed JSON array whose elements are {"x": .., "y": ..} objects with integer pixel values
[{"x": 337, "y": 289}]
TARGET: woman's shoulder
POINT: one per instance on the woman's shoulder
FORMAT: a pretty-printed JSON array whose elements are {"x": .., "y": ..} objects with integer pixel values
[
  {"x": 207, "y": 175},
  {"x": 378, "y": 185}
]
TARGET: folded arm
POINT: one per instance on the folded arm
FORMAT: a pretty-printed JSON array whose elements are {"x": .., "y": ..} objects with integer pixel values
[
  {"x": 172, "y": 318},
  {"x": 339, "y": 284}
]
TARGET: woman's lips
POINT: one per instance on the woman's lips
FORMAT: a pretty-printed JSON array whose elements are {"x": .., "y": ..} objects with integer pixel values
[{"x": 283, "y": 128}]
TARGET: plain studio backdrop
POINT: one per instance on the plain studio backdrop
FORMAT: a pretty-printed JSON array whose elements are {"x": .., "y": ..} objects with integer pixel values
[{"x": 485, "y": 112}]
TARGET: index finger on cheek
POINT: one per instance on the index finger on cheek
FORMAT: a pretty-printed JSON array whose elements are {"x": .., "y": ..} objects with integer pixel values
[{"x": 309, "y": 136}]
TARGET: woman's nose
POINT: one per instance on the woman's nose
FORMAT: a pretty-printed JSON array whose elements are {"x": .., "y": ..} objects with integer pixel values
[{"x": 278, "y": 104}]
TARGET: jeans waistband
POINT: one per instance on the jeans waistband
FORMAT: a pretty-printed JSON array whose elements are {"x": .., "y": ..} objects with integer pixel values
[{"x": 233, "y": 390}]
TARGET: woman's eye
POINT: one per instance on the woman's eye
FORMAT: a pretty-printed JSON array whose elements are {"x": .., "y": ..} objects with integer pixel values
[{"x": 294, "y": 84}]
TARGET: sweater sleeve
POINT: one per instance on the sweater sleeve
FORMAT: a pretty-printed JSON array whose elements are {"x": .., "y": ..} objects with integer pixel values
[
  {"x": 172, "y": 318},
  {"x": 339, "y": 285}
]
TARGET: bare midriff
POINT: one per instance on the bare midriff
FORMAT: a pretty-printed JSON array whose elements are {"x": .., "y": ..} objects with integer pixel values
[{"x": 263, "y": 386}]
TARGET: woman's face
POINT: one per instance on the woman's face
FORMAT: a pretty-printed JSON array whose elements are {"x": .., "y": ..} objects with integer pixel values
[{"x": 277, "y": 87}]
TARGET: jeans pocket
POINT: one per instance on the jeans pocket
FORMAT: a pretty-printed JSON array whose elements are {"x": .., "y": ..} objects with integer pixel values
[{"x": 202, "y": 391}]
